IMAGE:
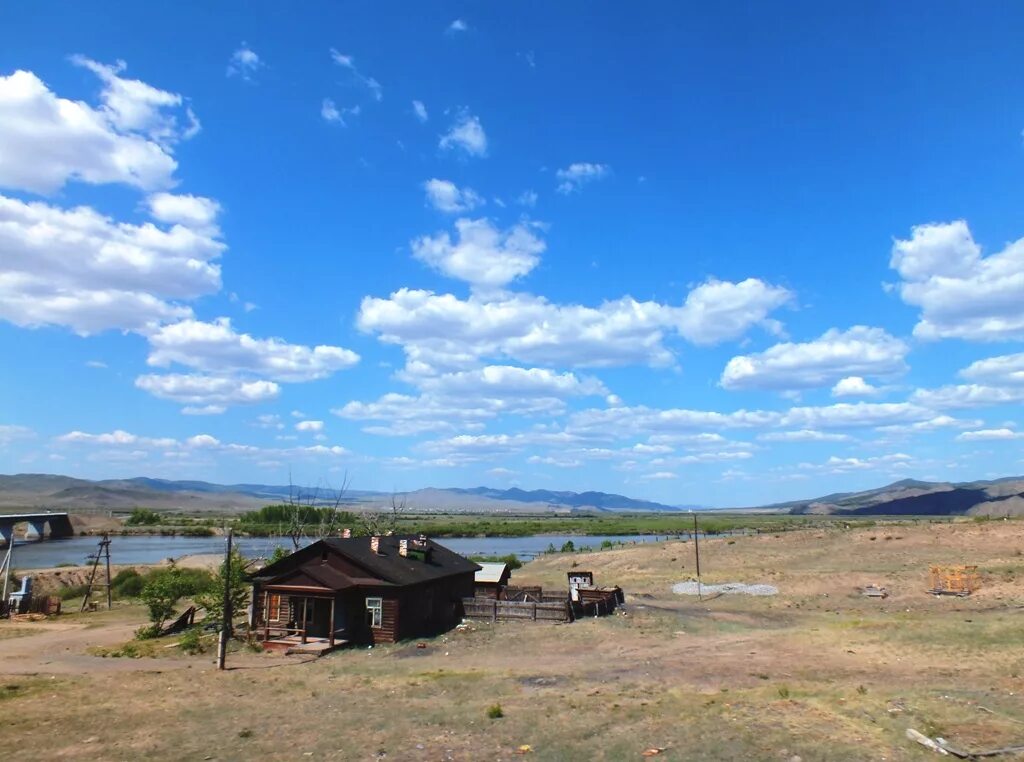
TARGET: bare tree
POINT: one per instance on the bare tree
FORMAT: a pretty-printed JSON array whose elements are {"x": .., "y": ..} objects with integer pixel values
[
  {"x": 311, "y": 517},
  {"x": 385, "y": 520}
]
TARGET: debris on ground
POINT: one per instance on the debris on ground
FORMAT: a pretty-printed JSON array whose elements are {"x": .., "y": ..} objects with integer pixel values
[
  {"x": 652, "y": 751},
  {"x": 943, "y": 747},
  {"x": 874, "y": 591},
  {"x": 524, "y": 749},
  {"x": 735, "y": 588}
]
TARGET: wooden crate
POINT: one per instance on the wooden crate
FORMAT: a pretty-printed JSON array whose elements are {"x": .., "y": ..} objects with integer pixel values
[{"x": 953, "y": 580}]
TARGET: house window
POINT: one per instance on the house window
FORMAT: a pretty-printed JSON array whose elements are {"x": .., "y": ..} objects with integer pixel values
[
  {"x": 374, "y": 611},
  {"x": 273, "y": 612}
]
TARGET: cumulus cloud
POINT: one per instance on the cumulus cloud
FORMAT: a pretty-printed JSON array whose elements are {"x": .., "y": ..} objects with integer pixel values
[
  {"x": 49, "y": 141},
  {"x": 459, "y": 25},
  {"x": 481, "y": 255},
  {"x": 194, "y": 212},
  {"x": 10, "y": 432},
  {"x": 853, "y": 386},
  {"x": 441, "y": 330},
  {"x": 527, "y": 198},
  {"x": 575, "y": 176},
  {"x": 200, "y": 391},
  {"x": 990, "y": 435},
  {"x": 961, "y": 294},
  {"x": 84, "y": 270},
  {"x": 216, "y": 347},
  {"x": 420, "y": 111},
  {"x": 836, "y": 354},
  {"x": 313, "y": 426},
  {"x": 467, "y": 135},
  {"x": 244, "y": 63},
  {"x": 446, "y": 196}
]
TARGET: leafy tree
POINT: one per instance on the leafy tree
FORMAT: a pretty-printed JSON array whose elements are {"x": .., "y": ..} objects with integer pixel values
[
  {"x": 568, "y": 547},
  {"x": 161, "y": 593},
  {"x": 278, "y": 554},
  {"x": 142, "y": 517},
  {"x": 212, "y": 598}
]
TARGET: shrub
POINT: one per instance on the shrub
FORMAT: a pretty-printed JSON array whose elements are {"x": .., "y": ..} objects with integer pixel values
[
  {"x": 127, "y": 583},
  {"x": 494, "y": 711},
  {"x": 192, "y": 642},
  {"x": 606, "y": 544},
  {"x": 783, "y": 692},
  {"x": 211, "y": 597},
  {"x": 163, "y": 589},
  {"x": 568, "y": 547},
  {"x": 72, "y": 591}
]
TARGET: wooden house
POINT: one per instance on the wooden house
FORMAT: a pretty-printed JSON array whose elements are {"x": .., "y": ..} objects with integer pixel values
[
  {"x": 492, "y": 579},
  {"x": 360, "y": 590}
]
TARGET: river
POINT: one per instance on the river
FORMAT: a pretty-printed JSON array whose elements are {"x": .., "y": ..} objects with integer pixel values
[{"x": 149, "y": 549}]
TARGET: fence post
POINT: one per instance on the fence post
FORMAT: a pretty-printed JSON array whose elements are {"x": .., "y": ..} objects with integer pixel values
[
  {"x": 535, "y": 611},
  {"x": 494, "y": 614}
]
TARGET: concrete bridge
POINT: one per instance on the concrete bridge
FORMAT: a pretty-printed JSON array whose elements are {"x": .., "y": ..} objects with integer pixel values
[{"x": 59, "y": 525}]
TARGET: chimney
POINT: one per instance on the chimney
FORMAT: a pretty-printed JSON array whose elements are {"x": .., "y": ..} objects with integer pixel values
[
  {"x": 346, "y": 533},
  {"x": 375, "y": 544},
  {"x": 403, "y": 548}
]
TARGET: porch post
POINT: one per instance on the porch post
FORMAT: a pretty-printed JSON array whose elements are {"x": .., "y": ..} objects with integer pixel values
[
  {"x": 332, "y": 623},
  {"x": 266, "y": 615},
  {"x": 305, "y": 608}
]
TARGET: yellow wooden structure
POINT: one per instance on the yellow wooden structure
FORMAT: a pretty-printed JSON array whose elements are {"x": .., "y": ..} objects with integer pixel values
[{"x": 953, "y": 580}]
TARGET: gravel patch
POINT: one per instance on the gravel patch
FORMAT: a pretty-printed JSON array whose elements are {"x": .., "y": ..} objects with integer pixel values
[{"x": 739, "y": 588}]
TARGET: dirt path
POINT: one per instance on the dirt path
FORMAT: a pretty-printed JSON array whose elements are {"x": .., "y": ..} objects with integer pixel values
[{"x": 62, "y": 649}]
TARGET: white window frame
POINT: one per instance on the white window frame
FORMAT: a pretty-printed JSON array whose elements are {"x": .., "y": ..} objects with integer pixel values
[{"x": 375, "y": 607}]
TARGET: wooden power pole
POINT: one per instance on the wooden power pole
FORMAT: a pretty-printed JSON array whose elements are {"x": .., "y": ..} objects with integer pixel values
[
  {"x": 102, "y": 553},
  {"x": 696, "y": 550},
  {"x": 225, "y": 625}
]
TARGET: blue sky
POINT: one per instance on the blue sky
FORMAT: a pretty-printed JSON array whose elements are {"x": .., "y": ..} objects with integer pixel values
[{"x": 675, "y": 251}]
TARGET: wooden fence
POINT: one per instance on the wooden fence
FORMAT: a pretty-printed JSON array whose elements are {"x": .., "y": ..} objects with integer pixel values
[{"x": 501, "y": 611}]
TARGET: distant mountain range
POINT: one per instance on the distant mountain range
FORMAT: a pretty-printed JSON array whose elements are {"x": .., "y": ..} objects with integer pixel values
[
  {"x": 909, "y": 497},
  {"x": 69, "y": 493}
]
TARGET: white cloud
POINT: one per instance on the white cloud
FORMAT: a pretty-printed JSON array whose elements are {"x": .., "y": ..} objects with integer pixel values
[
  {"x": 576, "y": 175},
  {"x": 717, "y": 310},
  {"x": 930, "y": 424},
  {"x": 1004, "y": 370},
  {"x": 199, "y": 391},
  {"x": 420, "y": 111},
  {"x": 504, "y": 381},
  {"x": 194, "y": 212},
  {"x": 10, "y": 433},
  {"x": 990, "y": 435},
  {"x": 968, "y": 395},
  {"x": 314, "y": 426},
  {"x": 659, "y": 475},
  {"x": 482, "y": 255},
  {"x": 961, "y": 294},
  {"x": 117, "y": 437},
  {"x": 466, "y": 134},
  {"x": 134, "y": 106},
  {"x": 81, "y": 269},
  {"x": 244, "y": 63},
  {"x": 49, "y": 141},
  {"x": 203, "y": 410},
  {"x": 803, "y": 435},
  {"x": 882, "y": 462},
  {"x": 331, "y": 113},
  {"x": 347, "y": 62},
  {"x": 527, "y": 198},
  {"x": 446, "y": 196},
  {"x": 853, "y": 386},
  {"x": 441, "y": 330},
  {"x": 858, "y": 351},
  {"x": 459, "y": 25},
  {"x": 216, "y": 347}
]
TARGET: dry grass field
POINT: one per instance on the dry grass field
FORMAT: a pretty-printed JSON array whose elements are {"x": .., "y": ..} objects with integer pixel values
[{"x": 816, "y": 673}]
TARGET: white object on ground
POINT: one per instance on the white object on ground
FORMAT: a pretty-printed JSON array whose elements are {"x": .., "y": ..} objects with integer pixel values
[{"x": 690, "y": 588}]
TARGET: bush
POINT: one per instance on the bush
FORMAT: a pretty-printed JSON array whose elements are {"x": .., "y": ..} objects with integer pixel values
[
  {"x": 72, "y": 591},
  {"x": 494, "y": 711},
  {"x": 568, "y": 547},
  {"x": 163, "y": 589},
  {"x": 192, "y": 641},
  {"x": 127, "y": 583}
]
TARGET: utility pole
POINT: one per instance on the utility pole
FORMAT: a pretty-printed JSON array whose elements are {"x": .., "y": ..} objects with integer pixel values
[
  {"x": 5, "y": 570},
  {"x": 225, "y": 626},
  {"x": 102, "y": 551},
  {"x": 696, "y": 550}
]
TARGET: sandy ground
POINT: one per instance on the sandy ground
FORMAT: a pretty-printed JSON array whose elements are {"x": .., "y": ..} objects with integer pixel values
[{"x": 816, "y": 673}]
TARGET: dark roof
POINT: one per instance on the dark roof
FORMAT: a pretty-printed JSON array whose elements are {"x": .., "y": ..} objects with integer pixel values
[{"x": 386, "y": 565}]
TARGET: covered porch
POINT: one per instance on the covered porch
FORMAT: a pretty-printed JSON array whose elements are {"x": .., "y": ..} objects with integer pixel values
[{"x": 296, "y": 620}]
